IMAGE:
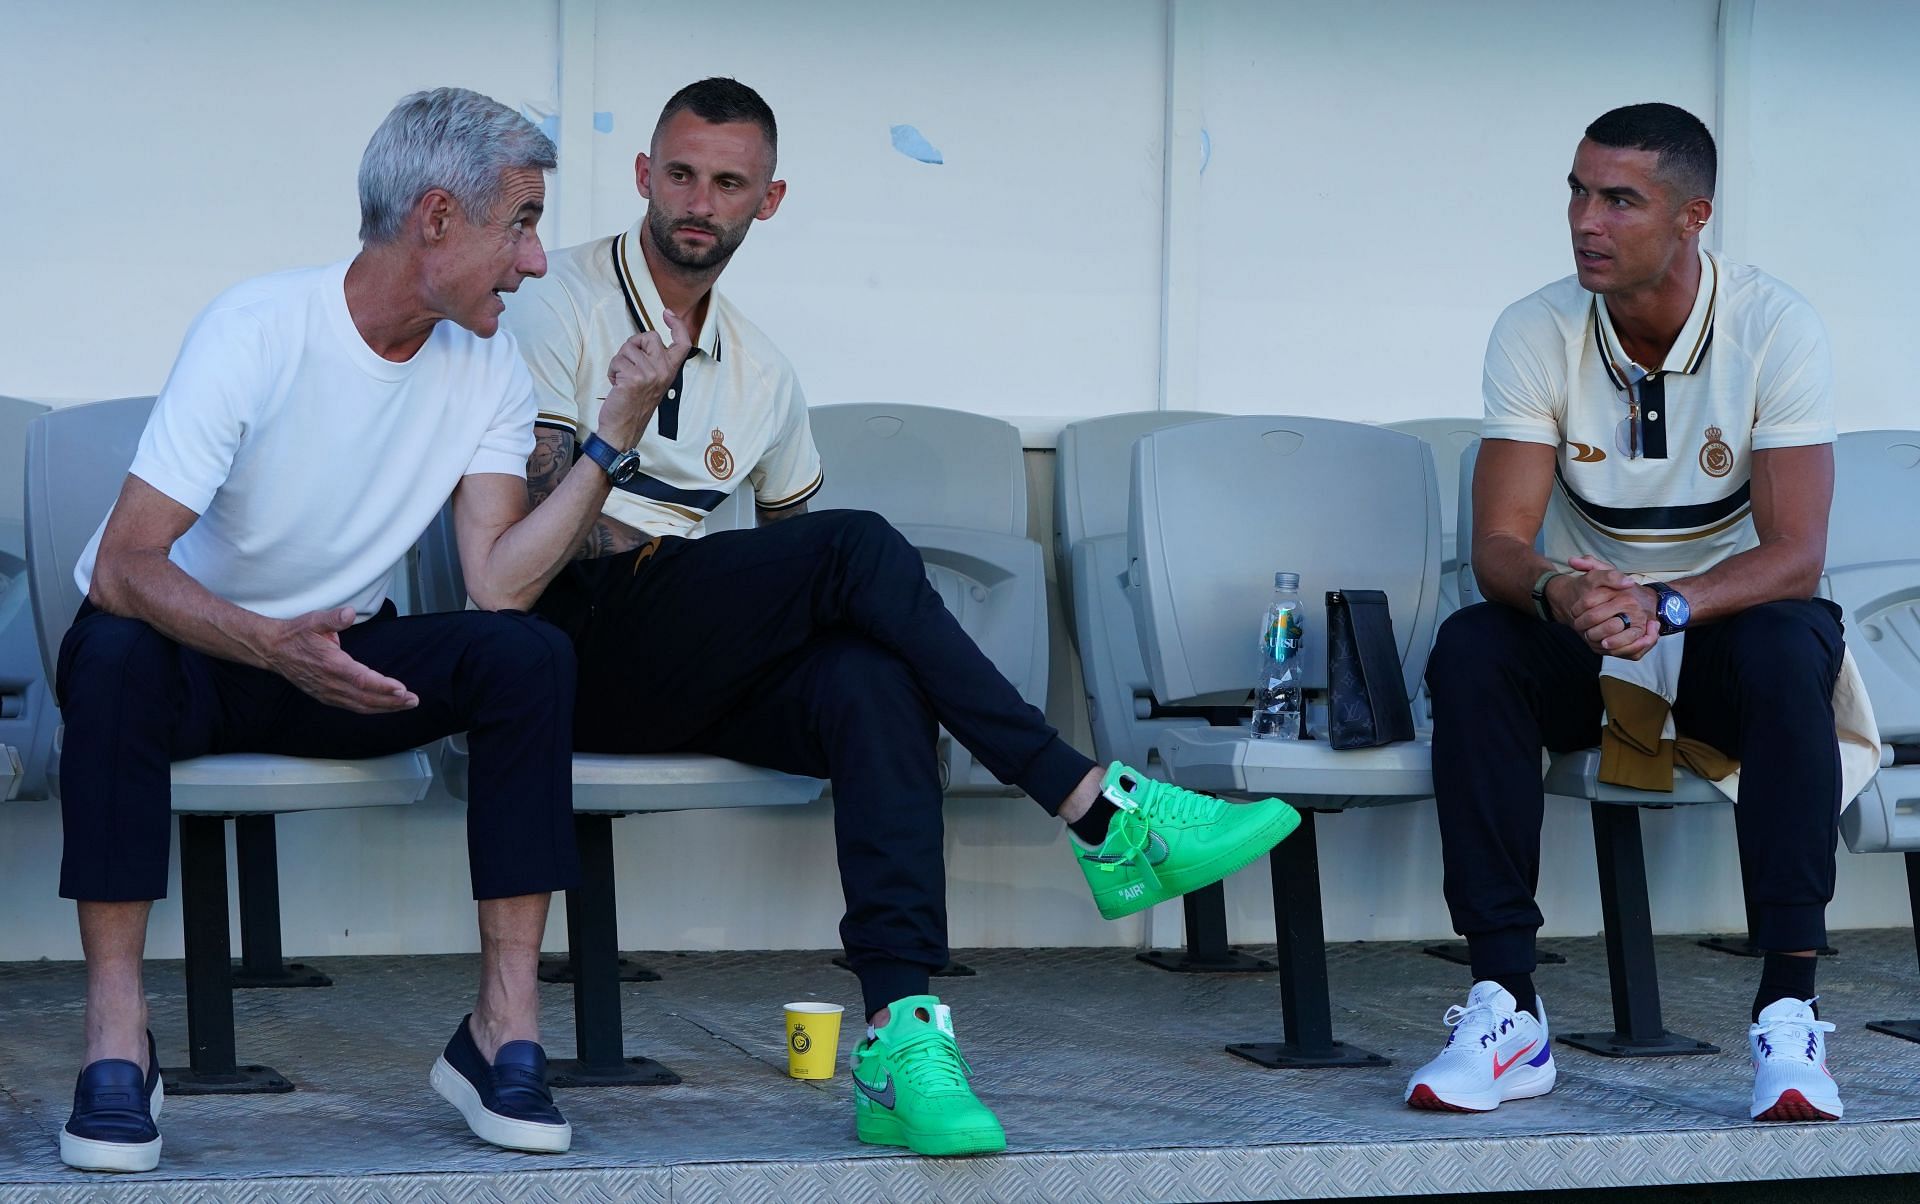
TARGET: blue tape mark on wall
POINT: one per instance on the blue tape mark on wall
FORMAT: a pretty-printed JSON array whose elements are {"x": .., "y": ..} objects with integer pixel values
[
  {"x": 1206, "y": 149},
  {"x": 603, "y": 123},
  {"x": 909, "y": 142}
]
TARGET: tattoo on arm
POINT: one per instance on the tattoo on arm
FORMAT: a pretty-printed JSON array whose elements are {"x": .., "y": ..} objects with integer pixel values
[
  {"x": 607, "y": 537},
  {"x": 552, "y": 456}
]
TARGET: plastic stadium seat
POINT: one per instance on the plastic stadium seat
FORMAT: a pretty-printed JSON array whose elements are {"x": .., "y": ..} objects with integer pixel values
[
  {"x": 27, "y": 713},
  {"x": 1090, "y": 553},
  {"x": 1215, "y": 508},
  {"x": 955, "y": 485},
  {"x": 77, "y": 458},
  {"x": 1873, "y": 572}
]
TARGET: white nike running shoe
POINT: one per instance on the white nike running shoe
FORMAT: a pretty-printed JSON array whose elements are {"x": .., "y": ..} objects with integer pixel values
[
  {"x": 1790, "y": 1078},
  {"x": 1495, "y": 1053}
]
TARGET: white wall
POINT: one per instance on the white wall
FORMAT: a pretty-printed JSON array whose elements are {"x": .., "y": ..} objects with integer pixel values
[{"x": 1382, "y": 179}]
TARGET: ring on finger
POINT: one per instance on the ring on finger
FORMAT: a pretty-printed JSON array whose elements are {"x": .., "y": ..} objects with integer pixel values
[{"x": 1626, "y": 624}]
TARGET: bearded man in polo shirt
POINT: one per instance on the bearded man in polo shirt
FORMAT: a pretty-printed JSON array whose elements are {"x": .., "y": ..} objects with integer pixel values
[
  {"x": 1663, "y": 421},
  {"x": 813, "y": 644}
]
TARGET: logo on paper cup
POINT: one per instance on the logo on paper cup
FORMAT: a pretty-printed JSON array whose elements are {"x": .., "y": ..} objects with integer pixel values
[{"x": 800, "y": 1041}]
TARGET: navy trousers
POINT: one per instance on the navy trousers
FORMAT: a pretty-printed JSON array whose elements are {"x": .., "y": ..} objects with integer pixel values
[
  {"x": 814, "y": 646},
  {"x": 1757, "y": 686},
  {"x": 133, "y": 700}
]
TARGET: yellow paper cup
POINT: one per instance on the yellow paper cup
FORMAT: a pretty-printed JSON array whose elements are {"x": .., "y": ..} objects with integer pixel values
[{"x": 813, "y": 1039}]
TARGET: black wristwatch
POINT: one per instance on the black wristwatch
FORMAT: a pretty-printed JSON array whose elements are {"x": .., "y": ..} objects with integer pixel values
[
  {"x": 1671, "y": 606},
  {"x": 620, "y": 466}
]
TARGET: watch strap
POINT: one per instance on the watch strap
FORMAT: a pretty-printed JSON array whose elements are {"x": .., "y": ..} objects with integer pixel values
[
  {"x": 594, "y": 448},
  {"x": 1540, "y": 595}
]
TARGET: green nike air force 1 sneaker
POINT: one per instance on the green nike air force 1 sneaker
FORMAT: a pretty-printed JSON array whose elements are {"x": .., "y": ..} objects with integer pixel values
[
  {"x": 1166, "y": 841},
  {"x": 910, "y": 1086}
]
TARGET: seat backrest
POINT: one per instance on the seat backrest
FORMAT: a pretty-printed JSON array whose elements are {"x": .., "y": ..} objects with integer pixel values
[
  {"x": 1090, "y": 477},
  {"x": 1873, "y": 569},
  {"x": 1448, "y": 437},
  {"x": 921, "y": 465},
  {"x": 1216, "y": 508},
  {"x": 77, "y": 460}
]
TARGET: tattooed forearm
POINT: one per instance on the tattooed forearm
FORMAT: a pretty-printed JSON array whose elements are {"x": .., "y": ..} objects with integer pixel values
[
  {"x": 552, "y": 456},
  {"x": 607, "y": 537}
]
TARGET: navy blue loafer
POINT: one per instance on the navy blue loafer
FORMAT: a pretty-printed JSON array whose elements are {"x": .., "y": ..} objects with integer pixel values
[
  {"x": 506, "y": 1102},
  {"x": 115, "y": 1109}
]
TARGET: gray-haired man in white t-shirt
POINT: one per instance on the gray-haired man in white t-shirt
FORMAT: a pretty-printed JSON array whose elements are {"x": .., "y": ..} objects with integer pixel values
[{"x": 314, "y": 424}]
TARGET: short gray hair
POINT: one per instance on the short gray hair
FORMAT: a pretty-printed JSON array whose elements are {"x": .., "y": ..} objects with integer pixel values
[{"x": 448, "y": 138}]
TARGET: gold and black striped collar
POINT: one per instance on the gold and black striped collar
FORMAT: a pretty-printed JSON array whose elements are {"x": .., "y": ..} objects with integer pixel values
[
  {"x": 643, "y": 300},
  {"x": 1689, "y": 348}
]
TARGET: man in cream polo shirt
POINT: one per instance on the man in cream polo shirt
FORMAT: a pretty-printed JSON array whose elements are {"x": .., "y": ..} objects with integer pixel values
[
  {"x": 1663, "y": 422},
  {"x": 814, "y": 643}
]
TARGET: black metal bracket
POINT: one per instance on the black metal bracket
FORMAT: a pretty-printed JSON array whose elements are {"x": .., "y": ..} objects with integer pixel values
[
  {"x": 212, "y": 1068},
  {"x": 257, "y": 855},
  {"x": 1207, "y": 951},
  {"x": 1307, "y": 1013},
  {"x": 1638, "y": 1031},
  {"x": 1907, "y": 1030},
  {"x": 593, "y": 941}
]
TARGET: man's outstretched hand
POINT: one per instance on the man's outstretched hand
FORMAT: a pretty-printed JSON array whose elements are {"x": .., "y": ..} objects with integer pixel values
[{"x": 306, "y": 651}]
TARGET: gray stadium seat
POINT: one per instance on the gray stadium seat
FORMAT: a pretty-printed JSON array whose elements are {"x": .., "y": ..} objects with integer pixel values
[
  {"x": 955, "y": 485},
  {"x": 1215, "y": 509},
  {"x": 76, "y": 461},
  {"x": 1448, "y": 437},
  {"x": 1090, "y": 553},
  {"x": 605, "y": 788},
  {"x": 1873, "y": 572},
  {"x": 27, "y": 713}
]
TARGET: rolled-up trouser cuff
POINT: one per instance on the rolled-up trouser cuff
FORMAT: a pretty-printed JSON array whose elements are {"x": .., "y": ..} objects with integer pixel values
[
  {"x": 1501, "y": 954},
  {"x": 1789, "y": 928}
]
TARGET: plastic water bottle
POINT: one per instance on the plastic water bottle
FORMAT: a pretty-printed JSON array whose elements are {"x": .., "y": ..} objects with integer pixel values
[{"x": 1278, "y": 705}]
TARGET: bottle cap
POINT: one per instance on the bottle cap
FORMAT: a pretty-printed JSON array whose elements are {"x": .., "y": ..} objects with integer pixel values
[{"x": 1287, "y": 581}]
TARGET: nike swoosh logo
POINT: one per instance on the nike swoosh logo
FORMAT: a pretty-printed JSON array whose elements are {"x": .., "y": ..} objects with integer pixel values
[
  {"x": 1156, "y": 852},
  {"x": 1587, "y": 453},
  {"x": 1499, "y": 1067},
  {"x": 885, "y": 1098}
]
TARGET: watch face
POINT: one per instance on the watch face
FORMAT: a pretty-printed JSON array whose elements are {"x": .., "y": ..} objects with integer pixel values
[
  {"x": 624, "y": 468},
  {"x": 1674, "y": 608}
]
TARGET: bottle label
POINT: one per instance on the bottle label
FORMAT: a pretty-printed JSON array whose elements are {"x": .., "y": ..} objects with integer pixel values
[{"x": 1282, "y": 637}]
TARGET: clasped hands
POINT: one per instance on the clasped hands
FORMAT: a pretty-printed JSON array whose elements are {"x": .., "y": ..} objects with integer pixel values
[{"x": 1615, "y": 614}]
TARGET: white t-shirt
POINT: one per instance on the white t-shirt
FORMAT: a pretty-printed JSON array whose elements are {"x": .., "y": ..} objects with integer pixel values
[
  {"x": 313, "y": 463},
  {"x": 735, "y": 415},
  {"x": 1670, "y": 494}
]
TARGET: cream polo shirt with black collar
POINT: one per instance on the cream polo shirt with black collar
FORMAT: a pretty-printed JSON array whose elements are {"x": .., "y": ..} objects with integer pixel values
[
  {"x": 734, "y": 415},
  {"x": 1654, "y": 471}
]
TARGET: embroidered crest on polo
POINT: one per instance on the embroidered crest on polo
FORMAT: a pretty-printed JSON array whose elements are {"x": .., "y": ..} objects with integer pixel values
[
  {"x": 719, "y": 459},
  {"x": 1716, "y": 458}
]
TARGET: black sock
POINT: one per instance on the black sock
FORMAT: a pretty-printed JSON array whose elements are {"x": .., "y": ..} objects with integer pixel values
[
  {"x": 1784, "y": 976},
  {"x": 1520, "y": 986},
  {"x": 1092, "y": 827}
]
